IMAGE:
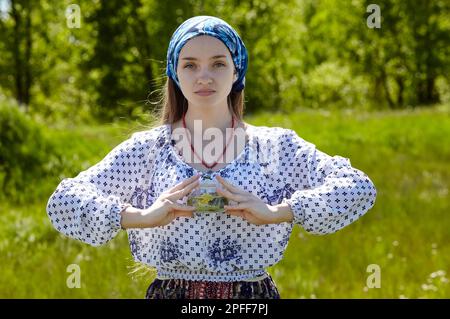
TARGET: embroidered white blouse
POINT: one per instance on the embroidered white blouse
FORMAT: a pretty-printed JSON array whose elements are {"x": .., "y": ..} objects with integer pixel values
[{"x": 324, "y": 192}]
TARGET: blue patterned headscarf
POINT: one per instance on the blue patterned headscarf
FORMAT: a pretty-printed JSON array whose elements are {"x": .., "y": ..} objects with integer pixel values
[{"x": 207, "y": 25}]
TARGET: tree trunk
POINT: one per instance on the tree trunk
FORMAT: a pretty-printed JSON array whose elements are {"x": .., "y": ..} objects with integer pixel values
[
  {"x": 16, "y": 49},
  {"x": 401, "y": 88},
  {"x": 432, "y": 97},
  {"x": 143, "y": 43},
  {"x": 27, "y": 62},
  {"x": 386, "y": 90}
]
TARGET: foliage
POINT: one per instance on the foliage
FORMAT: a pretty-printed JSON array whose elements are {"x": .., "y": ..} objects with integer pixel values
[
  {"x": 26, "y": 156},
  {"x": 302, "y": 53}
]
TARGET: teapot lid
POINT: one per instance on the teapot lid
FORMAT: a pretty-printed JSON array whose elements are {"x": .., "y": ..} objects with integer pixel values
[{"x": 207, "y": 181}]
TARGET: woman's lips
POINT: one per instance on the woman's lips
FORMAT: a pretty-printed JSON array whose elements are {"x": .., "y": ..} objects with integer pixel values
[{"x": 205, "y": 93}]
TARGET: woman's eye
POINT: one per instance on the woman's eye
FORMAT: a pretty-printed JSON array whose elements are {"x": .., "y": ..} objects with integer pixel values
[{"x": 187, "y": 66}]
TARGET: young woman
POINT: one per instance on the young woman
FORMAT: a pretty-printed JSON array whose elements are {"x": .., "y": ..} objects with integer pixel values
[{"x": 272, "y": 178}]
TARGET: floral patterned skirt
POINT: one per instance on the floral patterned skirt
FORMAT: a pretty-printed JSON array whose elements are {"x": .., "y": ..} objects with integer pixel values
[{"x": 189, "y": 289}]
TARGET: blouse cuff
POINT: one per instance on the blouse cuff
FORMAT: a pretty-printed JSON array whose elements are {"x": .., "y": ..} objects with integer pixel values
[
  {"x": 296, "y": 208},
  {"x": 116, "y": 216}
]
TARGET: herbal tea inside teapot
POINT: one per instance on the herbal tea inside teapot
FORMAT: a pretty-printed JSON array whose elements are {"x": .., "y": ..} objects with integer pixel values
[{"x": 206, "y": 199}]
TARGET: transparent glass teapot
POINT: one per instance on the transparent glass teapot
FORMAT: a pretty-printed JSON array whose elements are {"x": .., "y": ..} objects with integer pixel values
[{"x": 205, "y": 199}]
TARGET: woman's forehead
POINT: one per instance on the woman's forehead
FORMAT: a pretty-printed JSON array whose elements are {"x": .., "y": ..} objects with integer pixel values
[{"x": 204, "y": 48}]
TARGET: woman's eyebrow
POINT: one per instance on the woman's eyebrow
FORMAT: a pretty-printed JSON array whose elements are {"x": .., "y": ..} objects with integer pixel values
[{"x": 212, "y": 58}]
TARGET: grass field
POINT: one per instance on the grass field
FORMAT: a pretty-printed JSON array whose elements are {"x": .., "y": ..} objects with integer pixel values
[{"x": 407, "y": 233}]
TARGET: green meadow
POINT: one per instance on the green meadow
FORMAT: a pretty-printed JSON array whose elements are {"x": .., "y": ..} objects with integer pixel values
[{"x": 406, "y": 234}]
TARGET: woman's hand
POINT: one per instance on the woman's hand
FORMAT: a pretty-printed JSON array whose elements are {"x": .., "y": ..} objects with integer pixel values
[
  {"x": 250, "y": 207},
  {"x": 164, "y": 209}
]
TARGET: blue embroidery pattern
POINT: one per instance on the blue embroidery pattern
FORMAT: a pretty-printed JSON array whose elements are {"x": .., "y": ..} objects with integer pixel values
[
  {"x": 161, "y": 141},
  {"x": 170, "y": 159},
  {"x": 225, "y": 173},
  {"x": 141, "y": 196},
  {"x": 135, "y": 244},
  {"x": 228, "y": 251},
  {"x": 189, "y": 172},
  {"x": 285, "y": 240},
  {"x": 281, "y": 193},
  {"x": 169, "y": 251}
]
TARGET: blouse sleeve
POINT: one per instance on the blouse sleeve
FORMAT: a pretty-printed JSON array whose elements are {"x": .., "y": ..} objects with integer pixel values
[
  {"x": 87, "y": 207},
  {"x": 327, "y": 192}
]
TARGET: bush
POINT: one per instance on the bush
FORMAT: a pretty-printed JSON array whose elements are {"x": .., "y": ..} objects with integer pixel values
[
  {"x": 26, "y": 156},
  {"x": 331, "y": 85}
]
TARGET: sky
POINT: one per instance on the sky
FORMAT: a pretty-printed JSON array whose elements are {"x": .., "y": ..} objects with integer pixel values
[{"x": 4, "y": 8}]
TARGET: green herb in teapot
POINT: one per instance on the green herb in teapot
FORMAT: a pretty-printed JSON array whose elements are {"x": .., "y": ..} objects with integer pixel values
[{"x": 206, "y": 199}]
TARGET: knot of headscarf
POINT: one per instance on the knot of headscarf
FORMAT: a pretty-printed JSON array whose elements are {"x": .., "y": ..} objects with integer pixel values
[{"x": 208, "y": 25}]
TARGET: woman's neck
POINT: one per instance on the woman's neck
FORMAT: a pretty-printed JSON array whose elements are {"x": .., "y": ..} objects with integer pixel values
[{"x": 199, "y": 123}]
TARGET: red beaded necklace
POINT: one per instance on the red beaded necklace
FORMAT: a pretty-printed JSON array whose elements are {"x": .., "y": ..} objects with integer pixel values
[{"x": 224, "y": 149}]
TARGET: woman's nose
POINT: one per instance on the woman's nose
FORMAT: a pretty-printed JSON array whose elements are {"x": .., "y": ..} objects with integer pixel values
[{"x": 204, "y": 79}]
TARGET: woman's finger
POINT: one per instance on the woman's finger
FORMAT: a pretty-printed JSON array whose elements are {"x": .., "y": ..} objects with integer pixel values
[
  {"x": 237, "y": 212},
  {"x": 229, "y": 195},
  {"x": 240, "y": 206},
  {"x": 183, "y": 208},
  {"x": 180, "y": 213},
  {"x": 184, "y": 183},
  {"x": 183, "y": 192},
  {"x": 229, "y": 186}
]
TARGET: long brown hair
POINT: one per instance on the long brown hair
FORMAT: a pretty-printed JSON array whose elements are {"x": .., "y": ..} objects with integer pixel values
[{"x": 174, "y": 104}]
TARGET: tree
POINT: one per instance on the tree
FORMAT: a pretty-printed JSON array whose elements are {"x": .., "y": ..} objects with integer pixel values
[{"x": 19, "y": 43}]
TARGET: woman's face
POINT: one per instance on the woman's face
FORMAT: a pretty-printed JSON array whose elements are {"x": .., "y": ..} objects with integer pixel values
[{"x": 205, "y": 64}]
